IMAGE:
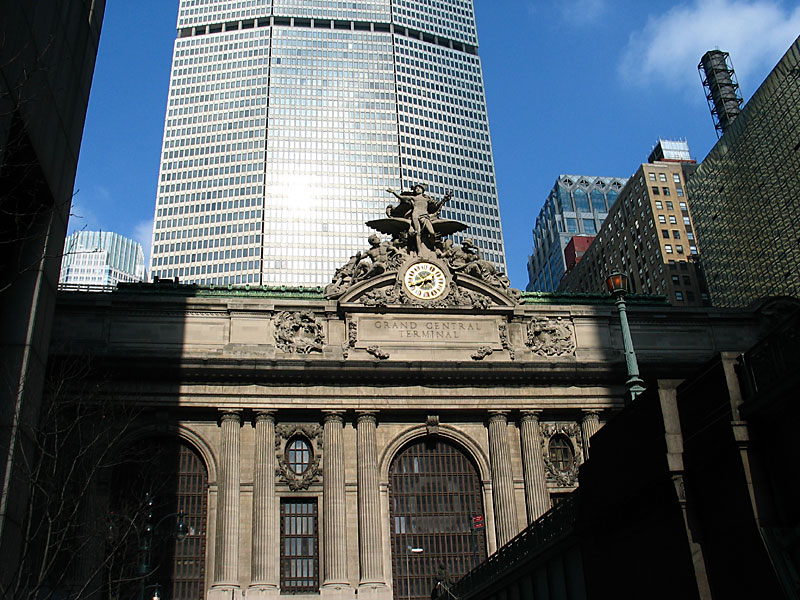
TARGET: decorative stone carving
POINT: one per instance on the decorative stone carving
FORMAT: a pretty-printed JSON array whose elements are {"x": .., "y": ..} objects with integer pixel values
[
  {"x": 311, "y": 433},
  {"x": 572, "y": 432},
  {"x": 352, "y": 337},
  {"x": 457, "y": 297},
  {"x": 432, "y": 424},
  {"x": 298, "y": 332},
  {"x": 503, "y": 329},
  {"x": 551, "y": 336},
  {"x": 482, "y": 353},
  {"x": 377, "y": 352},
  {"x": 418, "y": 231}
]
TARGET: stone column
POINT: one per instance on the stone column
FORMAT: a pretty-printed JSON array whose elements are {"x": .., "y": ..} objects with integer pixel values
[
  {"x": 370, "y": 548},
  {"x": 589, "y": 426},
  {"x": 226, "y": 545},
  {"x": 505, "y": 510},
  {"x": 333, "y": 503},
  {"x": 265, "y": 543},
  {"x": 537, "y": 498}
]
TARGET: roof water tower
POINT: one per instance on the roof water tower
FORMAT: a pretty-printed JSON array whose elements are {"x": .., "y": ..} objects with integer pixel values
[{"x": 722, "y": 89}]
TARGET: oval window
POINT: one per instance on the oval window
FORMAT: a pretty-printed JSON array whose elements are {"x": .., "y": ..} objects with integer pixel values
[
  {"x": 298, "y": 455},
  {"x": 561, "y": 454}
]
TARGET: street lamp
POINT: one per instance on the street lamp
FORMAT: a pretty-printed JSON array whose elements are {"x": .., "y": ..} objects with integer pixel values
[
  {"x": 145, "y": 541},
  {"x": 617, "y": 284},
  {"x": 413, "y": 550}
]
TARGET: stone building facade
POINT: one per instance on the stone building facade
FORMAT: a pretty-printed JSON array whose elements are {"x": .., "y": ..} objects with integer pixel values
[{"x": 325, "y": 424}]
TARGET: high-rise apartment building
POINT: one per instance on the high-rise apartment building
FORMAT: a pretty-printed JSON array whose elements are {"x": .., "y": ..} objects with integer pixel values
[
  {"x": 287, "y": 120},
  {"x": 101, "y": 258},
  {"x": 744, "y": 195},
  {"x": 648, "y": 234},
  {"x": 576, "y": 207}
]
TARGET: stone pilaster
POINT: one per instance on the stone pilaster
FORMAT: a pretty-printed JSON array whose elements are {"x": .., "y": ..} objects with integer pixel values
[
  {"x": 370, "y": 544},
  {"x": 505, "y": 510},
  {"x": 589, "y": 426},
  {"x": 334, "y": 513},
  {"x": 265, "y": 547},
  {"x": 226, "y": 545},
  {"x": 537, "y": 498}
]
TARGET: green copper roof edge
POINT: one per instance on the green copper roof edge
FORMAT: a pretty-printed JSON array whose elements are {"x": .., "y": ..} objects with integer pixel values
[
  {"x": 316, "y": 293},
  {"x": 587, "y": 298}
]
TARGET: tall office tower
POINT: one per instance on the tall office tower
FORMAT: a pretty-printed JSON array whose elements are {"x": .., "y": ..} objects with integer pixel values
[
  {"x": 287, "y": 120},
  {"x": 744, "y": 195},
  {"x": 101, "y": 258},
  {"x": 648, "y": 234},
  {"x": 576, "y": 207}
]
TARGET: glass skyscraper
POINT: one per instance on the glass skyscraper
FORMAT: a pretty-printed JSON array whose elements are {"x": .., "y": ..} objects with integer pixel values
[
  {"x": 576, "y": 206},
  {"x": 101, "y": 258},
  {"x": 288, "y": 119}
]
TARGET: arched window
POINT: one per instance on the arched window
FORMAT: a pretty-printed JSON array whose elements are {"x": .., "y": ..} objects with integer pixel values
[
  {"x": 298, "y": 455},
  {"x": 436, "y": 508},
  {"x": 561, "y": 454},
  {"x": 158, "y": 501}
]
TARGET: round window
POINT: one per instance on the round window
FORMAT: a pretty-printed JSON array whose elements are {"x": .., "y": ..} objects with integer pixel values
[
  {"x": 298, "y": 455},
  {"x": 561, "y": 454}
]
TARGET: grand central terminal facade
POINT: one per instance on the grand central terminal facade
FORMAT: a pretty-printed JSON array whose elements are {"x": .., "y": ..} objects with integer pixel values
[{"x": 396, "y": 428}]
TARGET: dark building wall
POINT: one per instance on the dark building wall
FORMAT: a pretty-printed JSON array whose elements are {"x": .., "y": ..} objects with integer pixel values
[
  {"x": 744, "y": 196},
  {"x": 48, "y": 49}
]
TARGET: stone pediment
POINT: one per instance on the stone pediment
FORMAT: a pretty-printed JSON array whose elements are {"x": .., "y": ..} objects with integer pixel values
[
  {"x": 418, "y": 267},
  {"x": 463, "y": 291}
]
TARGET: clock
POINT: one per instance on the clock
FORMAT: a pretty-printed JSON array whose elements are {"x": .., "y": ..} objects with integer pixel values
[{"x": 425, "y": 281}]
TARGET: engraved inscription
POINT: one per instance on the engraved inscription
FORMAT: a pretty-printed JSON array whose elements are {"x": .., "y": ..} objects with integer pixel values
[{"x": 428, "y": 330}]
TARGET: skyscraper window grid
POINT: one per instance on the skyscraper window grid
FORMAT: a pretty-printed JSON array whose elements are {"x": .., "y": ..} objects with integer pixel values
[{"x": 354, "y": 107}]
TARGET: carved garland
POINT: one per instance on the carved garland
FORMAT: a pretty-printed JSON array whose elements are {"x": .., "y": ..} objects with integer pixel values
[
  {"x": 298, "y": 332},
  {"x": 551, "y": 336},
  {"x": 310, "y": 433},
  {"x": 572, "y": 432}
]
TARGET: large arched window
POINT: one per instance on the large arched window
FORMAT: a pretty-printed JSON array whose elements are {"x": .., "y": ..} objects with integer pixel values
[
  {"x": 158, "y": 499},
  {"x": 435, "y": 504}
]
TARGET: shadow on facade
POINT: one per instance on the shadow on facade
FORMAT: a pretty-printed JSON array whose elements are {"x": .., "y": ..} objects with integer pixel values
[{"x": 686, "y": 495}]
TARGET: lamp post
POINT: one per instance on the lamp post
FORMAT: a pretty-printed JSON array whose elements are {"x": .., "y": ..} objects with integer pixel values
[
  {"x": 145, "y": 541},
  {"x": 413, "y": 550},
  {"x": 617, "y": 284}
]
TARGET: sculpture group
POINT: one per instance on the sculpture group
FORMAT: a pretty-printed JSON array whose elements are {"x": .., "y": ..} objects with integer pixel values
[{"x": 416, "y": 230}]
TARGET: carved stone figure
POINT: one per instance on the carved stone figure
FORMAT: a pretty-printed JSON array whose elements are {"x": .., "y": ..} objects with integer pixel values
[
  {"x": 374, "y": 261},
  {"x": 418, "y": 231},
  {"x": 298, "y": 332},
  {"x": 551, "y": 337}
]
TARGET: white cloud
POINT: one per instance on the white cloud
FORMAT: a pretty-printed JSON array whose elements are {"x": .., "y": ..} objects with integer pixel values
[
  {"x": 756, "y": 33},
  {"x": 143, "y": 233}
]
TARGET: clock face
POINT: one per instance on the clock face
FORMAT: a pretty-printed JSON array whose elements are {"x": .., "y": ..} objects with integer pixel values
[{"x": 425, "y": 281}]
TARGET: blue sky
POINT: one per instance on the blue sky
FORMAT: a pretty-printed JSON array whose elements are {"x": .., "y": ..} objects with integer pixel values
[{"x": 573, "y": 86}]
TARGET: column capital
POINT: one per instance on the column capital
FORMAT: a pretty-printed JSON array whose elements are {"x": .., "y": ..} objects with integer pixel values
[
  {"x": 498, "y": 415},
  {"x": 230, "y": 414},
  {"x": 265, "y": 415},
  {"x": 336, "y": 416},
  {"x": 370, "y": 416},
  {"x": 588, "y": 413},
  {"x": 531, "y": 415}
]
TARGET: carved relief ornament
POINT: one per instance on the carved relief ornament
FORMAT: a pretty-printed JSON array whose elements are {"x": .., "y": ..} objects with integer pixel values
[
  {"x": 298, "y": 332},
  {"x": 551, "y": 336},
  {"x": 572, "y": 432},
  {"x": 312, "y": 435}
]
